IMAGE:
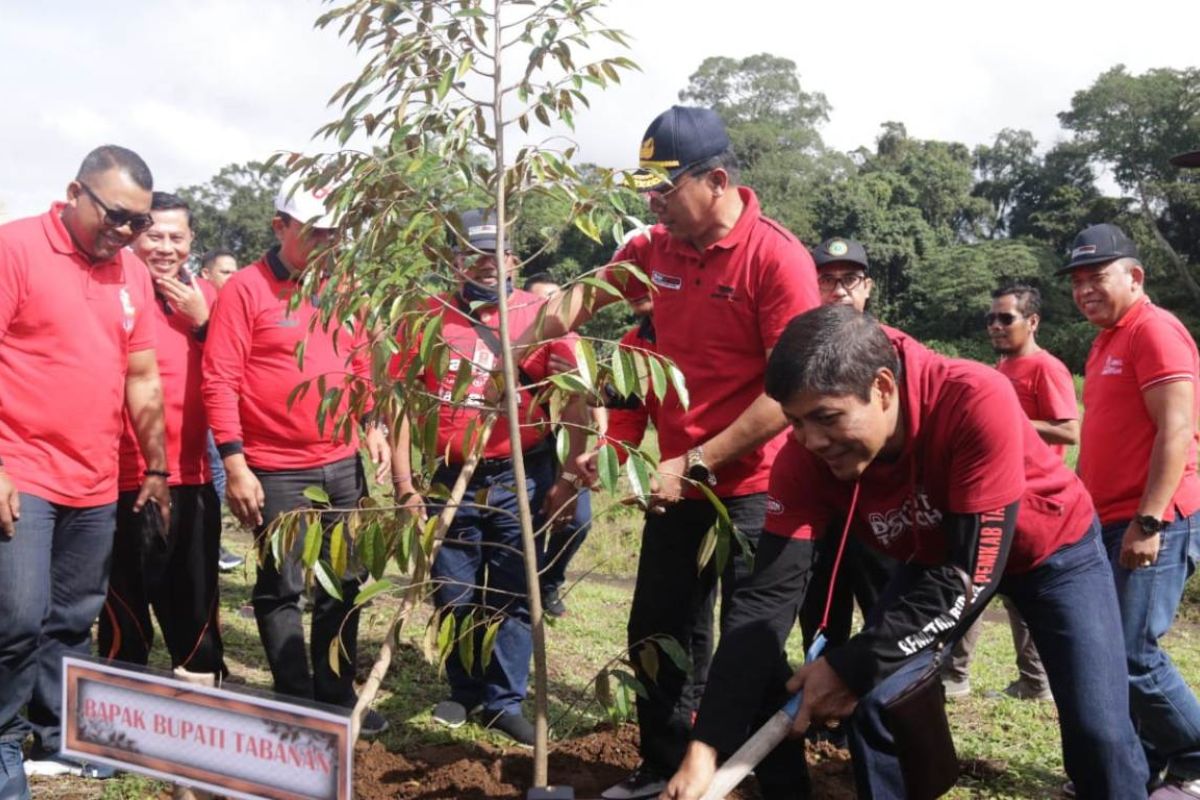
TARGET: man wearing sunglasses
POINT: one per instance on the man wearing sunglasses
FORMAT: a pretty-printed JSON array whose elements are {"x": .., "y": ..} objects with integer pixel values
[
  {"x": 726, "y": 281},
  {"x": 76, "y": 349},
  {"x": 1046, "y": 392},
  {"x": 274, "y": 449},
  {"x": 1137, "y": 457}
]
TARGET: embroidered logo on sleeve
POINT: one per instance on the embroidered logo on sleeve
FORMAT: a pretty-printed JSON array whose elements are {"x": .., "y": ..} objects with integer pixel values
[
  {"x": 774, "y": 506},
  {"x": 127, "y": 309}
]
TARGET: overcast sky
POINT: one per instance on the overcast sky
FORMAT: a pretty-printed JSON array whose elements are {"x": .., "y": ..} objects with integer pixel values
[{"x": 193, "y": 85}]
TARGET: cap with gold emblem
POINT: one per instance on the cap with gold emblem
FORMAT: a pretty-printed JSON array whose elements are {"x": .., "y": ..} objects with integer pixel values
[
  {"x": 677, "y": 140},
  {"x": 838, "y": 251}
]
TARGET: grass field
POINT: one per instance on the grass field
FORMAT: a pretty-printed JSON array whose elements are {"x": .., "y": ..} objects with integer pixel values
[{"x": 1012, "y": 747}]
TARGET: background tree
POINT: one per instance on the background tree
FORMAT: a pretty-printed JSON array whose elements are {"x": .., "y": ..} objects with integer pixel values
[{"x": 234, "y": 209}]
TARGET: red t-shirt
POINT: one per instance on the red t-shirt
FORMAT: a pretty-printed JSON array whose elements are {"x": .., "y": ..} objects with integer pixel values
[
  {"x": 179, "y": 354},
  {"x": 717, "y": 314},
  {"x": 1146, "y": 348},
  {"x": 250, "y": 371},
  {"x": 628, "y": 423},
  {"x": 455, "y": 421},
  {"x": 968, "y": 449},
  {"x": 67, "y": 327},
  {"x": 1044, "y": 388}
]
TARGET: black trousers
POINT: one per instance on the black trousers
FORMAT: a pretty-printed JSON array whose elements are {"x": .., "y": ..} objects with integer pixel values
[
  {"x": 176, "y": 576},
  {"x": 673, "y": 598},
  {"x": 277, "y": 590}
]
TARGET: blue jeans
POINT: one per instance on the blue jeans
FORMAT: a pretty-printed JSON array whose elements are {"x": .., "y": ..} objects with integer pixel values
[
  {"x": 1164, "y": 708},
  {"x": 480, "y": 568},
  {"x": 53, "y": 579},
  {"x": 218, "y": 468},
  {"x": 564, "y": 544},
  {"x": 1069, "y": 603}
]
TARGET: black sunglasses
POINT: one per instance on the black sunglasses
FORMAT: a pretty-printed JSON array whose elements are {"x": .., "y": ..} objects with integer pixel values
[
  {"x": 119, "y": 217},
  {"x": 1004, "y": 318}
]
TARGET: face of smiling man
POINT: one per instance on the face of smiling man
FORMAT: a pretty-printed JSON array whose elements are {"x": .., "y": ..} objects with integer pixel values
[{"x": 165, "y": 247}]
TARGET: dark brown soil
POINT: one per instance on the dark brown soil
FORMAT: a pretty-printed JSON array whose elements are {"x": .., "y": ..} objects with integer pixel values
[{"x": 588, "y": 764}]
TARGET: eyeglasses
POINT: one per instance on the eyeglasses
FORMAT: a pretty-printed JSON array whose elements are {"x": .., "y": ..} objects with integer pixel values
[
  {"x": 830, "y": 282},
  {"x": 1004, "y": 318},
  {"x": 119, "y": 217},
  {"x": 660, "y": 193}
]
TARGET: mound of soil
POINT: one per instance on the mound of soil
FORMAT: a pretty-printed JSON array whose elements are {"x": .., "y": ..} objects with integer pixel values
[{"x": 589, "y": 764}]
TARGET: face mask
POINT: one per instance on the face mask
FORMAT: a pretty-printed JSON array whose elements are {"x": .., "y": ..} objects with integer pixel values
[{"x": 474, "y": 293}]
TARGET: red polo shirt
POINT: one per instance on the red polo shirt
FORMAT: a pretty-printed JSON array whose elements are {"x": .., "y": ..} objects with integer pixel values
[
  {"x": 1044, "y": 388},
  {"x": 179, "y": 353},
  {"x": 1146, "y": 348},
  {"x": 67, "y": 327},
  {"x": 628, "y": 420},
  {"x": 968, "y": 449},
  {"x": 250, "y": 371},
  {"x": 717, "y": 313},
  {"x": 460, "y": 335}
]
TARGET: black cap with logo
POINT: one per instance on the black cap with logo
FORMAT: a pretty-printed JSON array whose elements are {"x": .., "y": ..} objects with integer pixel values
[
  {"x": 1191, "y": 159},
  {"x": 480, "y": 231},
  {"x": 1099, "y": 244},
  {"x": 678, "y": 139},
  {"x": 840, "y": 251}
]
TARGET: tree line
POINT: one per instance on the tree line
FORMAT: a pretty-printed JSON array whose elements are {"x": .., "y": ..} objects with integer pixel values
[{"x": 943, "y": 222}]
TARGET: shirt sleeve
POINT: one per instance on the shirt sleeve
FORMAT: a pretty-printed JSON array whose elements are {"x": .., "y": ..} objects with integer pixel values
[
  {"x": 13, "y": 286},
  {"x": 1056, "y": 392},
  {"x": 788, "y": 289},
  {"x": 635, "y": 253},
  {"x": 794, "y": 510},
  {"x": 142, "y": 337},
  {"x": 226, "y": 352},
  {"x": 1161, "y": 353}
]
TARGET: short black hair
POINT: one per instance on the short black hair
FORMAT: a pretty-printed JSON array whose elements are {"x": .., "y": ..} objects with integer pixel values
[
  {"x": 1029, "y": 299},
  {"x": 165, "y": 201},
  {"x": 726, "y": 160},
  {"x": 536, "y": 278},
  {"x": 208, "y": 258},
  {"x": 830, "y": 350},
  {"x": 112, "y": 156}
]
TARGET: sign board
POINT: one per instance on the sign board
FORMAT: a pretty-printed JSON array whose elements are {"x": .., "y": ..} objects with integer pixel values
[{"x": 225, "y": 742}]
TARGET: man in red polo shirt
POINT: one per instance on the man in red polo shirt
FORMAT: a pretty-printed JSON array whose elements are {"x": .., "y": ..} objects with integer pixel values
[
  {"x": 930, "y": 460},
  {"x": 726, "y": 280},
  {"x": 76, "y": 347},
  {"x": 485, "y": 538},
  {"x": 174, "y": 571},
  {"x": 1046, "y": 392},
  {"x": 274, "y": 449},
  {"x": 1137, "y": 457}
]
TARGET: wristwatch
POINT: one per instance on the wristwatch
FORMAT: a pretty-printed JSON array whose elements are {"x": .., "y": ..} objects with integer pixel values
[
  {"x": 697, "y": 470},
  {"x": 1149, "y": 525}
]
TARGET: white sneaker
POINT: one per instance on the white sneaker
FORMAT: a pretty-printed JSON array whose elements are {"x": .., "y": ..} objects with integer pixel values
[{"x": 53, "y": 766}]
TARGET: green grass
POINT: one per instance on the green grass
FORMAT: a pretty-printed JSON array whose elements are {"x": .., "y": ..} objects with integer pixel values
[{"x": 1013, "y": 746}]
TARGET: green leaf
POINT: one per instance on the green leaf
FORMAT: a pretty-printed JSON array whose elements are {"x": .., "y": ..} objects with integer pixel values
[
  {"x": 562, "y": 446},
  {"x": 569, "y": 382},
  {"x": 329, "y": 582},
  {"x": 648, "y": 657},
  {"x": 639, "y": 476},
  {"x": 316, "y": 494},
  {"x": 489, "y": 642},
  {"x": 585, "y": 359},
  {"x": 676, "y": 376},
  {"x": 609, "y": 467},
  {"x": 708, "y": 546},
  {"x": 603, "y": 689},
  {"x": 374, "y": 588},
  {"x": 624, "y": 373},
  {"x": 466, "y": 642},
  {"x": 334, "y": 655},
  {"x": 462, "y": 380},
  {"x": 445, "y": 636},
  {"x": 312, "y": 541},
  {"x": 658, "y": 377},
  {"x": 337, "y": 548},
  {"x": 675, "y": 652},
  {"x": 443, "y": 86}
]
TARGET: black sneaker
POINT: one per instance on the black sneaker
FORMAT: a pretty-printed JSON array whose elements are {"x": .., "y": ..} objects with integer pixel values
[
  {"x": 644, "y": 782},
  {"x": 552, "y": 604},
  {"x": 450, "y": 714},
  {"x": 373, "y": 723},
  {"x": 513, "y": 725},
  {"x": 228, "y": 562}
]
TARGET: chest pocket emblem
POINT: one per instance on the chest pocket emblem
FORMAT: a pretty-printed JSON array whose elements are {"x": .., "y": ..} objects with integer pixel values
[
  {"x": 129, "y": 313},
  {"x": 666, "y": 281}
]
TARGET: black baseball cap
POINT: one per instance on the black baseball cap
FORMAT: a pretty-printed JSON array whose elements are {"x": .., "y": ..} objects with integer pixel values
[
  {"x": 677, "y": 140},
  {"x": 840, "y": 251},
  {"x": 1099, "y": 244},
  {"x": 1191, "y": 159},
  {"x": 480, "y": 231}
]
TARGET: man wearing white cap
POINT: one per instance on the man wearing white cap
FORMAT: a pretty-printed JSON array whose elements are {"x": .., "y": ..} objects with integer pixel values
[{"x": 273, "y": 447}]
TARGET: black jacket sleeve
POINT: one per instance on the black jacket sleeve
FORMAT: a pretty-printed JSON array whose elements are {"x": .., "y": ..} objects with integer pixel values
[
  {"x": 935, "y": 607},
  {"x": 750, "y": 666}
]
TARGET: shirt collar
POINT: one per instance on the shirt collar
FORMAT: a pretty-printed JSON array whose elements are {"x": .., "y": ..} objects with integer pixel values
[
  {"x": 278, "y": 268},
  {"x": 1134, "y": 312},
  {"x": 60, "y": 238},
  {"x": 737, "y": 235}
]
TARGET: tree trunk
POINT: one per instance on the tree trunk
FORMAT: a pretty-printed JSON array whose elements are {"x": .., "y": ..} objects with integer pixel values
[{"x": 1180, "y": 264}]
